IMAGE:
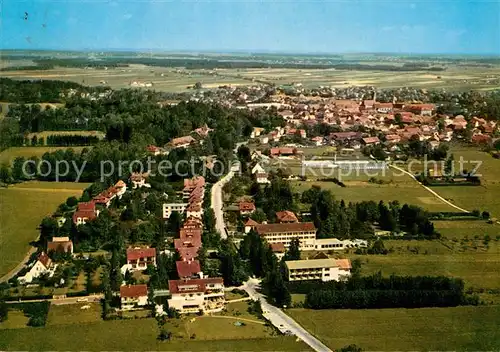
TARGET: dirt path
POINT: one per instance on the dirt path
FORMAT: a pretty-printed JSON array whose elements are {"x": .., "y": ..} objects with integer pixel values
[{"x": 430, "y": 190}]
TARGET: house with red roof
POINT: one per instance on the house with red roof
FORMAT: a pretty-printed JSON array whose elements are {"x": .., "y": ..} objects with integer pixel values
[
  {"x": 283, "y": 151},
  {"x": 286, "y": 216},
  {"x": 250, "y": 225},
  {"x": 140, "y": 258},
  {"x": 370, "y": 141},
  {"x": 246, "y": 208},
  {"x": 278, "y": 249},
  {"x": 133, "y": 296},
  {"x": 188, "y": 269},
  {"x": 182, "y": 142},
  {"x": 85, "y": 211}
]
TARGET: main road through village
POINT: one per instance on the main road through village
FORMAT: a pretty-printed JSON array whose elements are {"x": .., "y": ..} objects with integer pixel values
[{"x": 273, "y": 314}]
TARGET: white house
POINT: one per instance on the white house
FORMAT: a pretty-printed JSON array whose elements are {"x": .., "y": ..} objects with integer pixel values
[
  {"x": 168, "y": 208},
  {"x": 42, "y": 266},
  {"x": 318, "y": 269},
  {"x": 197, "y": 295},
  {"x": 258, "y": 169},
  {"x": 133, "y": 296}
]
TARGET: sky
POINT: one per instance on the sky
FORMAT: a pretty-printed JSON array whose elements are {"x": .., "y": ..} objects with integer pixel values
[{"x": 294, "y": 26}]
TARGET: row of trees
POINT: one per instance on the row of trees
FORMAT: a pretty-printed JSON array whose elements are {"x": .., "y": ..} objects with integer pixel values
[
  {"x": 356, "y": 220},
  {"x": 376, "y": 291}
]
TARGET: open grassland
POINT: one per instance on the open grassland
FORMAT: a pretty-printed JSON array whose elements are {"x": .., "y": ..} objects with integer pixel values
[
  {"x": 404, "y": 191},
  {"x": 467, "y": 229},
  {"x": 438, "y": 329},
  {"x": 22, "y": 208},
  {"x": 477, "y": 267},
  {"x": 8, "y": 155},
  {"x": 163, "y": 78},
  {"x": 129, "y": 335}
]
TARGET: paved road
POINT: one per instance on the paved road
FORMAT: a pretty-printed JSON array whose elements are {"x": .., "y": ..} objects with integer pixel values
[
  {"x": 217, "y": 204},
  {"x": 19, "y": 266},
  {"x": 282, "y": 321},
  {"x": 216, "y": 200}
]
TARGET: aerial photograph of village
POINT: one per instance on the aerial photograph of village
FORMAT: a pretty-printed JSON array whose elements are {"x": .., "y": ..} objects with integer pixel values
[{"x": 249, "y": 175}]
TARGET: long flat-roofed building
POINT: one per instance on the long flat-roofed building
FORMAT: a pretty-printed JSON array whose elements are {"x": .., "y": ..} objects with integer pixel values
[
  {"x": 285, "y": 233},
  {"x": 318, "y": 269}
]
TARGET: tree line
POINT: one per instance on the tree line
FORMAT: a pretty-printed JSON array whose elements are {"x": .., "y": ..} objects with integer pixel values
[{"x": 376, "y": 291}]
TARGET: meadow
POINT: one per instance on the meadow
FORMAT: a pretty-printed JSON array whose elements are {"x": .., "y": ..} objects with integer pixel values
[
  {"x": 71, "y": 328},
  {"x": 438, "y": 329},
  {"x": 8, "y": 155},
  {"x": 22, "y": 208},
  {"x": 475, "y": 263}
]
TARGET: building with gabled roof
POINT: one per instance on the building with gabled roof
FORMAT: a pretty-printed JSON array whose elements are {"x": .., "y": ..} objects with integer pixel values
[
  {"x": 140, "y": 258},
  {"x": 133, "y": 296},
  {"x": 188, "y": 269},
  {"x": 286, "y": 216},
  {"x": 60, "y": 245}
]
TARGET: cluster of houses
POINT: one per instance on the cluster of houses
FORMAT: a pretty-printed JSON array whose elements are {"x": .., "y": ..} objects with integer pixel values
[
  {"x": 287, "y": 228},
  {"x": 398, "y": 122},
  {"x": 87, "y": 211},
  {"x": 193, "y": 292}
]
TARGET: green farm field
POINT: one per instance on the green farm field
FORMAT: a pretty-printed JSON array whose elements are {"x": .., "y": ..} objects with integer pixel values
[
  {"x": 475, "y": 263},
  {"x": 22, "y": 208},
  {"x": 424, "y": 329},
  {"x": 8, "y": 155}
]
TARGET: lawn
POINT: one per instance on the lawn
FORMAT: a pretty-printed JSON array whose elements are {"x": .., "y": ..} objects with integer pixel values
[
  {"x": 22, "y": 208},
  {"x": 357, "y": 191},
  {"x": 74, "y": 314},
  {"x": 438, "y": 329},
  {"x": 129, "y": 335},
  {"x": 8, "y": 155}
]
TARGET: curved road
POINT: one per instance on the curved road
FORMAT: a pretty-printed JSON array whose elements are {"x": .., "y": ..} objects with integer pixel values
[{"x": 282, "y": 321}]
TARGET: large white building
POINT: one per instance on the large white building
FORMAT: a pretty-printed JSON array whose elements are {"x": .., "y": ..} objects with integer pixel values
[
  {"x": 197, "y": 295},
  {"x": 318, "y": 269},
  {"x": 326, "y": 244},
  {"x": 285, "y": 233}
]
